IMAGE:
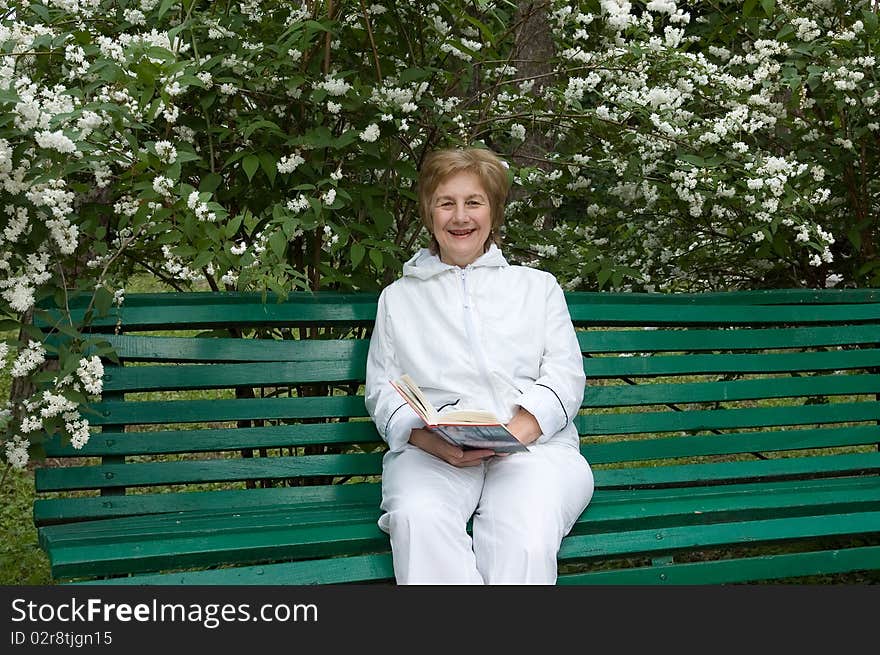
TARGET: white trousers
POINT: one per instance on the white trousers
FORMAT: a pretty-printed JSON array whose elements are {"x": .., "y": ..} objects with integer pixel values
[{"x": 522, "y": 506}]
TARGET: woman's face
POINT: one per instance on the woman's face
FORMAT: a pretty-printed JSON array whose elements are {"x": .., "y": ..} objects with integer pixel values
[{"x": 462, "y": 218}]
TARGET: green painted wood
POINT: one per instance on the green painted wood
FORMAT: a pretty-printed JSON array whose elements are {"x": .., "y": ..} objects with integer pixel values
[
  {"x": 205, "y": 522},
  {"x": 154, "y": 412},
  {"x": 725, "y": 419},
  {"x": 244, "y": 315},
  {"x": 715, "y": 473},
  {"x": 604, "y": 513},
  {"x": 628, "y": 395},
  {"x": 360, "y": 568},
  {"x": 220, "y": 376},
  {"x": 694, "y": 339},
  {"x": 669, "y": 540},
  {"x": 751, "y": 297},
  {"x": 740, "y": 569},
  {"x": 288, "y": 542},
  {"x": 601, "y": 367},
  {"x": 374, "y": 567},
  {"x": 202, "y": 471},
  {"x": 193, "y": 441},
  {"x": 633, "y": 450},
  {"x": 137, "y": 348},
  {"x": 63, "y": 510},
  {"x": 680, "y": 314}
]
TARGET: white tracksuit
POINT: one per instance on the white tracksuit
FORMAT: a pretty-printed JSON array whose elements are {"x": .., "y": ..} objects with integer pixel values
[{"x": 489, "y": 336}]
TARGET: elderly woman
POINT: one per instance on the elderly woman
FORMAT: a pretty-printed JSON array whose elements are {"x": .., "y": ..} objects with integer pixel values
[{"x": 475, "y": 332}]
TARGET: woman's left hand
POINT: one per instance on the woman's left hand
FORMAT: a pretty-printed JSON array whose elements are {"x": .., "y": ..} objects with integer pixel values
[{"x": 524, "y": 426}]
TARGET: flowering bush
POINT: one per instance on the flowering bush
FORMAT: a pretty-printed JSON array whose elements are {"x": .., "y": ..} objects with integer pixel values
[{"x": 274, "y": 145}]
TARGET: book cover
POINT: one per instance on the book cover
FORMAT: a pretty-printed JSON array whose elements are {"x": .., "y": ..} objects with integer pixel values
[{"x": 468, "y": 429}]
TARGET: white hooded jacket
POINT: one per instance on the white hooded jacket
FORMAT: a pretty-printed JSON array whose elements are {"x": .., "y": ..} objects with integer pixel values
[{"x": 489, "y": 336}]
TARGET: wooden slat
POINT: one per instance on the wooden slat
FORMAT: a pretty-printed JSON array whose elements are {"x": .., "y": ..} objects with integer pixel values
[
  {"x": 739, "y": 569},
  {"x": 50, "y": 511},
  {"x": 359, "y": 568},
  {"x": 219, "y": 376},
  {"x": 135, "y": 348},
  {"x": 193, "y": 441},
  {"x": 202, "y": 471},
  {"x": 629, "y": 395},
  {"x": 633, "y": 450},
  {"x": 705, "y": 536},
  {"x": 716, "y": 473},
  {"x": 208, "y": 411},
  {"x": 648, "y": 315},
  {"x": 725, "y": 419},
  {"x": 600, "y": 367},
  {"x": 750, "y": 297},
  {"x": 694, "y": 339}
]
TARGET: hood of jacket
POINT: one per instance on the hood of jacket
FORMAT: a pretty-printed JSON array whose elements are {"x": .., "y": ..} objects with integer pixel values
[{"x": 424, "y": 265}]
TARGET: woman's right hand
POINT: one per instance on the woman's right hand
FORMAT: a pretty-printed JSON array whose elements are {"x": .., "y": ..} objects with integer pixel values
[{"x": 449, "y": 453}]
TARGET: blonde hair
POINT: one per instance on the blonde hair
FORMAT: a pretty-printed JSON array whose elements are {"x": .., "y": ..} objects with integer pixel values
[{"x": 440, "y": 165}]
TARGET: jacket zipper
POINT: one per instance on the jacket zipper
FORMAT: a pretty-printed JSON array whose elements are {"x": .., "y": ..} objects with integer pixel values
[{"x": 473, "y": 339}]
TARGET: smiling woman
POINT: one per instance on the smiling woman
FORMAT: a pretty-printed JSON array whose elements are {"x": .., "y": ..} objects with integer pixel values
[
  {"x": 461, "y": 219},
  {"x": 477, "y": 333}
]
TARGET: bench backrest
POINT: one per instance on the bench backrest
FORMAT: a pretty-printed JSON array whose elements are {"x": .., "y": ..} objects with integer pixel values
[{"x": 681, "y": 388}]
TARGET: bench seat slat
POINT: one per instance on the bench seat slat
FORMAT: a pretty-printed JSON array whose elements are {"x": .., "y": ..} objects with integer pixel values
[
  {"x": 740, "y": 569},
  {"x": 680, "y": 506},
  {"x": 725, "y": 419},
  {"x": 248, "y": 539},
  {"x": 374, "y": 567},
  {"x": 691, "y": 340}
]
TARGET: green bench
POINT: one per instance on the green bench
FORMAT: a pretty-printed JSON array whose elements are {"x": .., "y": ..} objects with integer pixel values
[{"x": 734, "y": 437}]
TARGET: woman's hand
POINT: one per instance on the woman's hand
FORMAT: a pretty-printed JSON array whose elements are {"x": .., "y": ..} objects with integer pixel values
[
  {"x": 439, "y": 447},
  {"x": 524, "y": 426}
]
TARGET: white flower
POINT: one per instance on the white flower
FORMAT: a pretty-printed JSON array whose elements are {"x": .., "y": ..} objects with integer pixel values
[
  {"x": 166, "y": 152},
  {"x": 56, "y": 141},
  {"x": 329, "y": 197},
  {"x": 518, "y": 132},
  {"x": 91, "y": 373},
  {"x": 163, "y": 185},
  {"x": 289, "y": 163},
  {"x": 29, "y": 359},
  {"x": 333, "y": 107},
  {"x": 334, "y": 86},
  {"x": 16, "y": 452},
  {"x": 370, "y": 134}
]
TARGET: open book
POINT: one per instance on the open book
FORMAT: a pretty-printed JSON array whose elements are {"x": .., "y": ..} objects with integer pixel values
[{"x": 466, "y": 428}]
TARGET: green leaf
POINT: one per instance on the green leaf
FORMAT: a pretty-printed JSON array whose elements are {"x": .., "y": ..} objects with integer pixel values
[
  {"x": 769, "y": 7},
  {"x": 268, "y": 163},
  {"x": 210, "y": 182},
  {"x": 357, "y": 254},
  {"x": 748, "y": 8},
  {"x": 103, "y": 301},
  {"x": 278, "y": 244},
  {"x": 376, "y": 257},
  {"x": 250, "y": 164}
]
